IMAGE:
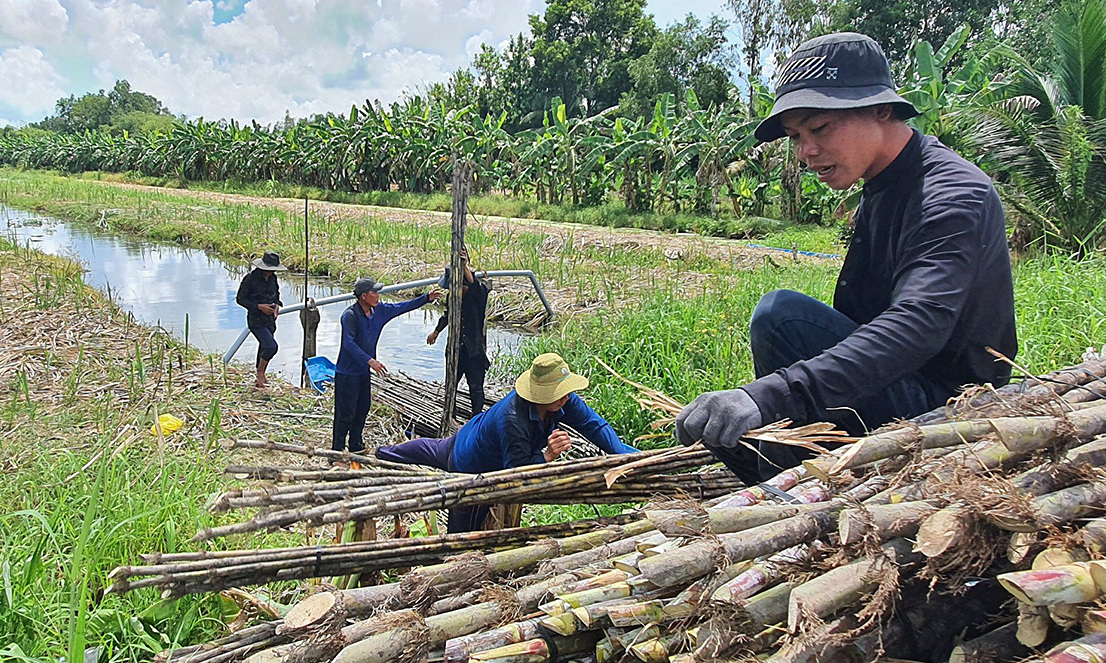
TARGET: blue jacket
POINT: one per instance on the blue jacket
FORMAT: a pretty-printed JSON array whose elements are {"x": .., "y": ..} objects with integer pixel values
[
  {"x": 361, "y": 332},
  {"x": 510, "y": 434}
]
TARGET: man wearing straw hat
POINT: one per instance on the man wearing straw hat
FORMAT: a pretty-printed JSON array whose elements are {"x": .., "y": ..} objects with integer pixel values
[
  {"x": 522, "y": 429},
  {"x": 259, "y": 294},
  {"x": 924, "y": 291}
]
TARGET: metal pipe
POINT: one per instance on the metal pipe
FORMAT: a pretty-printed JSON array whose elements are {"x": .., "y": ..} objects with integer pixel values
[{"x": 395, "y": 288}]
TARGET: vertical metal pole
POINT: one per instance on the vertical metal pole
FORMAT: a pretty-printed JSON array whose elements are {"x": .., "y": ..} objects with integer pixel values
[
  {"x": 462, "y": 180},
  {"x": 305, "y": 315}
]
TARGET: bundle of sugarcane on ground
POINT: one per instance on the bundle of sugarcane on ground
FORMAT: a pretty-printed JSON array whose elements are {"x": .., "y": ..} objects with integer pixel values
[
  {"x": 961, "y": 536},
  {"x": 384, "y": 490}
]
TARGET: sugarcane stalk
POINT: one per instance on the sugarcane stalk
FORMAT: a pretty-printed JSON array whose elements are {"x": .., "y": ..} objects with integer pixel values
[
  {"x": 562, "y": 624},
  {"x": 892, "y": 443},
  {"x": 844, "y": 585},
  {"x": 1057, "y": 508},
  {"x": 458, "y": 490},
  {"x": 759, "y": 575},
  {"x": 566, "y": 602},
  {"x": 785, "y": 480},
  {"x": 427, "y": 634},
  {"x": 537, "y": 650},
  {"x": 700, "y": 558},
  {"x": 720, "y": 520},
  {"x": 657, "y": 650},
  {"x": 1093, "y": 536},
  {"x": 1033, "y": 625},
  {"x": 1070, "y": 583},
  {"x": 1000, "y": 644},
  {"x": 882, "y": 522},
  {"x": 1018, "y": 435},
  {"x": 458, "y": 649},
  {"x": 636, "y": 614},
  {"x": 633, "y": 636},
  {"x": 1088, "y": 649}
]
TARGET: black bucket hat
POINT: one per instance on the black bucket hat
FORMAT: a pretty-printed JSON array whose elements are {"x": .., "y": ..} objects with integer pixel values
[
  {"x": 270, "y": 262},
  {"x": 835, "y": 72}
]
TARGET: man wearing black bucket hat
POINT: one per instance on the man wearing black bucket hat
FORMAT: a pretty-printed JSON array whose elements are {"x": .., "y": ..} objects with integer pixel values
[
  {"x": 259, "y": 294},
  {"x": 924, "y": 290}
]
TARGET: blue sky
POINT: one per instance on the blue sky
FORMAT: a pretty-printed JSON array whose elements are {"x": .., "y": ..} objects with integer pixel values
[{"x": 253, "y": 59}]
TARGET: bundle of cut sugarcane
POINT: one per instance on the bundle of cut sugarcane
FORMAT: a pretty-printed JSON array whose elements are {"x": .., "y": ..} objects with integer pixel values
[
  {"x": 589, "y": 490},
  {"x": 178, "y": 574},
  {"x": 579, "y": 481},
  {"x": 909, "y": 542}
]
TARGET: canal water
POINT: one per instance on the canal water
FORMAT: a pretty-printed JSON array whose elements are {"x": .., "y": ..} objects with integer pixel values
[{"x": 167, "y": 285}]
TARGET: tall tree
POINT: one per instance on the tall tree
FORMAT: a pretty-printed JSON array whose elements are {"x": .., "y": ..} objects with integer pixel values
[
  {"x": 685, "y": 56},
  {"x": 582, "y": 50}
]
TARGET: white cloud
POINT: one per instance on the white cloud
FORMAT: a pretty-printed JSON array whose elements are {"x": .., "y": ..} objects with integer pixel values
[
  {"x": 31, "y": 20},
  {"x": 31, "y": 82},
  {"x": 305, "y": 56}
]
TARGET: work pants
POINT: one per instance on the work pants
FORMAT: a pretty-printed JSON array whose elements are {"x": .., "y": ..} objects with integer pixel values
[
  {"x": 787, "y": 327},
  {"x": 352, "y": 398},
  {"x": 437, "y": 453},
  {"x": 474, "y": 368},
  {"x": 266, "y": 344}
]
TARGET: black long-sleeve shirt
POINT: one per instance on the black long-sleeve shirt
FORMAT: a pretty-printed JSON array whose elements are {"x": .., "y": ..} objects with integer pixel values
[
  {"x": 256, "y": 289},
  {"x": 927, "y": 277},
  {"x": 474, "y": 308}
]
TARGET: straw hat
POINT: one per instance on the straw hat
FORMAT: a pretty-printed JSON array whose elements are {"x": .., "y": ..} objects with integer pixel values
[
  {"x": 270, "y": 262},
  {"x": 548, "y": 379}
]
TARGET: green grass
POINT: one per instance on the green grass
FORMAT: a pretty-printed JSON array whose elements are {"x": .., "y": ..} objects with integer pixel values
[
  {"x": 85, "y": 486},
  {"x": 685, "y": 343}
]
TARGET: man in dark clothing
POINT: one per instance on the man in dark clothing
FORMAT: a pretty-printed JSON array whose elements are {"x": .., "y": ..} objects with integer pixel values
[
  {"x": 925, "y": 288},
  {"x": 472, "y": 357},
  {"x": 259, "y": 294},
  {"x": 361, "y": 326},
  {"x": 522, "y": 429}
]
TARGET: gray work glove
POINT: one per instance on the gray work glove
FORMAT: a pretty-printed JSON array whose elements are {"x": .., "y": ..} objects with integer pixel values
[{"x": 718, "y": 418}]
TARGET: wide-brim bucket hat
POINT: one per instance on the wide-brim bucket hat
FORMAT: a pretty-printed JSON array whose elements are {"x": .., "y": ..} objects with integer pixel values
[
  {"x": 269, "y": 262},
  {"x": 548, "y": 379},
  {"x": 839, "y": 71}
]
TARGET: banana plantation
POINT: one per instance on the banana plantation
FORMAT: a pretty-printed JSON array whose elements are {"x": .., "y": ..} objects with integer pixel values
[{"x": 1042, "y": 136}]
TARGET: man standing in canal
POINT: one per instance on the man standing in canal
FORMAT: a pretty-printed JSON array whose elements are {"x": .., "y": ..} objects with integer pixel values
[
  {"x": 259, "y": 294},
  {"x": 925, "y": 288},
  {"x": 472, "y": 358},
  {"x": 361, "y": 326}
]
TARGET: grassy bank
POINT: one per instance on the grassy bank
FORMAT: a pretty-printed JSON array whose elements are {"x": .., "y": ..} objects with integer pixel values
[
  {"x": 612, "y": 214},
  {"x": 86, "y": 486}
]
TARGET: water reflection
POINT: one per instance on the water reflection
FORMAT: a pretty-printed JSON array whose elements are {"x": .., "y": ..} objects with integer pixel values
[{"x": 166, "y": 285}]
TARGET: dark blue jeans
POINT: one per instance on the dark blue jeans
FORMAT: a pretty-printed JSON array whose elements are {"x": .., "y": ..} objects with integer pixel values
[
  {"x": 787, "y": 327},
  {"x": 436, "y": 452},
  {"x": 352, "y": 398},
  {"x": 266, "y": 344}
]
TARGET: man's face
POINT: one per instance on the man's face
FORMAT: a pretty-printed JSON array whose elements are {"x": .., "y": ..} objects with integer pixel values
[
  {"x": 371, "y": 298},
  {"x": 840, "y": 146}
]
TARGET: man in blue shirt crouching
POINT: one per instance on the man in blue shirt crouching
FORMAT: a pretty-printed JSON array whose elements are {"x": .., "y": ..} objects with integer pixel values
[{"x": 521, "y": 429}]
